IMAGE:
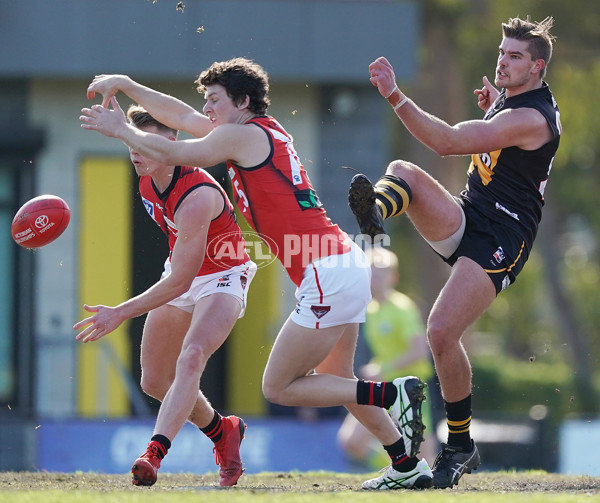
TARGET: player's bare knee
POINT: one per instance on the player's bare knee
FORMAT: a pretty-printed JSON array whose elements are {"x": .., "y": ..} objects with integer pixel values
[
  {"x": 438, "y": 336},
  {"x": 273, "y": 392},
  {"x": 155, "y": 387},
  {"x": 402, "y": 169},
  {"x": 270, "y": 393},
  {"x": 192, "y": 359}
]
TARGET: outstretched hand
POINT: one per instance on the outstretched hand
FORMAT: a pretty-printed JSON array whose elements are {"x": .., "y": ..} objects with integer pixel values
[
  {"x": 486, "y": 95},
  {"x": 104, "y": 120},
  {"x": 382, "y": 76},
  {"x": 107, "y": 86},
  {"x": 103, "y": 322}
]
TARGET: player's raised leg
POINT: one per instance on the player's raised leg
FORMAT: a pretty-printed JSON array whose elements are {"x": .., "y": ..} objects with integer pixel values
[{"x": 294, "y": 383}]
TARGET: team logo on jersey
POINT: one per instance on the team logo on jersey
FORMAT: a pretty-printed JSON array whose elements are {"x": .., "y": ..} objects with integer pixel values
[
  {"x": 320, "y": 311},
  {"x": 149, "y": 207},
  {"x": 243, "y": 281},
  {"x": 485, "y": 164}
]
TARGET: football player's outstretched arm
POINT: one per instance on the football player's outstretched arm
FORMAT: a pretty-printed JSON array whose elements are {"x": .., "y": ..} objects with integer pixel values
[
  {"x": 165, "y": 108},
  {"x": 192, "y": 220}
]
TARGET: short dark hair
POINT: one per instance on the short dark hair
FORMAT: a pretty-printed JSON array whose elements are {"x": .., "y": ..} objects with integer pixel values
[
  {"x": 240, "y": 77},
  {"x": 139, "y": 117},
  {"x": 536, "y": 34}
]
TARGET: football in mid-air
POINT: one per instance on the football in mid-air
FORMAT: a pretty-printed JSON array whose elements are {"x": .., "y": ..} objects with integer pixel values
[{"x": 40, "y": 221}]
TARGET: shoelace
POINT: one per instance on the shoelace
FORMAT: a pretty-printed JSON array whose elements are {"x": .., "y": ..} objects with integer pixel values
[
  {"x": 219, "y": 460},
  {"x": 218, "y": 457},
  {"x": 444, "y": 455},
  {"x": 153, "y": 451}
]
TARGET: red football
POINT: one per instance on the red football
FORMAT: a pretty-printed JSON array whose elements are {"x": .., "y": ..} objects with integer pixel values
[{"x": 40, "y": 221}]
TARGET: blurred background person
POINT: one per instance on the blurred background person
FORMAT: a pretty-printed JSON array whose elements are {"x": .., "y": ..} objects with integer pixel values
[{"x": 394, "y": 333}]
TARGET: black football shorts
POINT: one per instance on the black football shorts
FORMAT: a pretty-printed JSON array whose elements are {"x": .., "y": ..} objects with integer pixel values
[{"x": 498, "y": 249}]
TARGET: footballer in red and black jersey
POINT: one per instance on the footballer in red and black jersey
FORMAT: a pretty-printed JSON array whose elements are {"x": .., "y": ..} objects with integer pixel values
[
  {"x": 225, "y": 243},
  {"x": 279, "y": 202}
]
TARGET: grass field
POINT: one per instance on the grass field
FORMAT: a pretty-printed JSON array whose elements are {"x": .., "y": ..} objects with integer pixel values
[{"x": 293, "y": 487}]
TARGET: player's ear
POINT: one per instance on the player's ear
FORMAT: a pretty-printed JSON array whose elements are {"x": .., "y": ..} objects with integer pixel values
[
  {"x": 244, "y": 103},
  {"x": 540, "y": 64}
]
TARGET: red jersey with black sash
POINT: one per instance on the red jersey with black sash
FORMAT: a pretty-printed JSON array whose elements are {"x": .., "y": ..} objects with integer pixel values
[
  {"x": 508, "y": 185},
  {"x": 279, "y": 202},
  {"x": 225, "y": 246}
]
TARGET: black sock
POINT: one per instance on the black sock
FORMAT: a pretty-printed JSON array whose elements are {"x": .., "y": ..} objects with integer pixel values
[
  {"x": 164, "y": 442},
  {"x": 400, "y": 460},
  {"x": 393, "y": 195},
  {"x": 458, "y": 417},
  {"x": 214, "y": 430},
  {"x": 381, "y": 394}
]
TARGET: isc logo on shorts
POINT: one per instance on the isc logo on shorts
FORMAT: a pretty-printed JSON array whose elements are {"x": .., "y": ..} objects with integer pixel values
[{"x": 223, "y": 282}]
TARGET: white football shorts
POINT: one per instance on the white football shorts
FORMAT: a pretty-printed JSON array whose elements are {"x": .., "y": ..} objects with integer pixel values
[
  {"x": 235, "y": 282},
  {"x": 335, "y": 290}
]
